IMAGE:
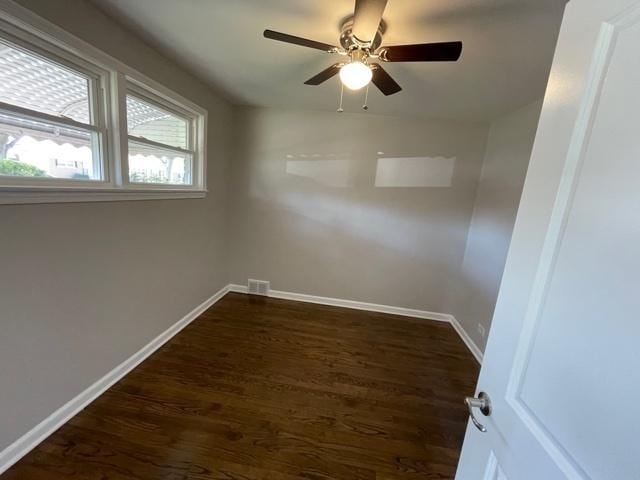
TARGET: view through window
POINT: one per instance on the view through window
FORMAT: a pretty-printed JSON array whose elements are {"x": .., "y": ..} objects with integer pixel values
[
  {"x": 158, "y": 145},
  {"x": 44, "y": 136}
]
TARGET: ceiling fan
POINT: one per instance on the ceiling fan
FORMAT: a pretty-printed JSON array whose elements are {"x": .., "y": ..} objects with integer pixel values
[{"x": 361, "y": 42}]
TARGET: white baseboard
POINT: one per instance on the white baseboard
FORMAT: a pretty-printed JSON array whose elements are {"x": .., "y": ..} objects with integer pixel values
[
  {"x": 238, "y": 288},
  {"x": 37, "y": 434},
  {"x": 338, "y": 302},
  {"x": 374, "y": 307},
  {"x": 471, "y": 345}
]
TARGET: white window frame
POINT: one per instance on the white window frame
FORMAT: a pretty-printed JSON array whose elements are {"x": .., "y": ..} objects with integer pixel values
[{"x": 109, "y": 82}]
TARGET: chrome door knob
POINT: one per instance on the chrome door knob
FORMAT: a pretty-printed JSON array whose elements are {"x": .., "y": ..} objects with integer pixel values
[{"x": 483, "y": 403}]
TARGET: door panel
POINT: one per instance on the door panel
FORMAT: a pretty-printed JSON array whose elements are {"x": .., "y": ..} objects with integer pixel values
[
  {"x": 562, "y": 359},
  {"x": 576, "y": 341},
  {"x": 494, "y": 472}
]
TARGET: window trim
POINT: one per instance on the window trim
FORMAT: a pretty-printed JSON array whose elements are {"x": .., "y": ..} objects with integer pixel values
[{"x": 111, "y": 79}]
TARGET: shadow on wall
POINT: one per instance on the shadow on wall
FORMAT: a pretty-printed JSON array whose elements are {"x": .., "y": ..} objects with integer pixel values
[
  {"x": 306, "y": 241},
  {"x": 361, "y": 222},
  {"x": 477, "y": 284}
]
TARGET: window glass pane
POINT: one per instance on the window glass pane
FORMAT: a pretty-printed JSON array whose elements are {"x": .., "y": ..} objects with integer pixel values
[
  {"x": 28, "y": 81},
  {"x": 156, "y": 165},
  {"x": 150, "y": 122},
  {"x": 38, "y": 149}
]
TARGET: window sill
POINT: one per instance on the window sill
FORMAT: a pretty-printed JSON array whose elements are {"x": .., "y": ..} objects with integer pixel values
[{"x": 20, "y": 197}]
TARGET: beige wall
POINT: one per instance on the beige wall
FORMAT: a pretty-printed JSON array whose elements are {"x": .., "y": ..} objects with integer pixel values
[
  {"x": 307, "y": 214},
  {"x": 84, "y": 286},
  {"x": 475, "y": 289}
]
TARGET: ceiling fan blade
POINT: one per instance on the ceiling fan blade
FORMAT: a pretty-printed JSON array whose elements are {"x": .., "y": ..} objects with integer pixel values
[
  {"x": 304, "y": 42},
  {"x": 423, "y": 52},
  {"x": 383, "y": 80},
  {"x": 324, "y": 75},
  {"x": 367, "y": 18}
]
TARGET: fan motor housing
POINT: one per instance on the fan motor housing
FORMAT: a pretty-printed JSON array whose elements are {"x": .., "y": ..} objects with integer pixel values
[{"x": 350, "y": 42}]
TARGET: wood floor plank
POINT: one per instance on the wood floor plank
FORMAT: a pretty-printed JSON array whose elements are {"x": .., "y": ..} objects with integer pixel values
[{"x": 260, "y": 388}]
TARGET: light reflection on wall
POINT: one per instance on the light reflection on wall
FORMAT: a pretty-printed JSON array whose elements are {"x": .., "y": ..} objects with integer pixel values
[
  {"x": 331, "y": 173},
  {"x": 415, "y": 172},
  {"x": 407, "y": 172}
]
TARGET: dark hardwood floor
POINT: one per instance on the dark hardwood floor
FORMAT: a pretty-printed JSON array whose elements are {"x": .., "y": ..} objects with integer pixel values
[{"x": 260, "y": 388}]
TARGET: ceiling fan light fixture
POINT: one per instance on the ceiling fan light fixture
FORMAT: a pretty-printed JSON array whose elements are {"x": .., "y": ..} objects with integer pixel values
[
  {"x": 361, "y": 40},
  {"x": 355, "y": 75}
]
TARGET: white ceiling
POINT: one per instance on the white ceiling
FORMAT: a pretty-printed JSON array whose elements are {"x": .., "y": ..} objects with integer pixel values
[{"x": 508, "y": 47}]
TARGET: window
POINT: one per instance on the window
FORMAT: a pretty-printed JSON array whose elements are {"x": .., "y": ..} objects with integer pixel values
[
  {"x": 47, "y": 117},
  {"x": 159, "y": 144},
  {"x": 78, "y": 125}
]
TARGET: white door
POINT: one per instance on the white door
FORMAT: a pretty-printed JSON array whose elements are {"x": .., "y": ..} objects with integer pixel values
[{"x": 562, "y": 366}]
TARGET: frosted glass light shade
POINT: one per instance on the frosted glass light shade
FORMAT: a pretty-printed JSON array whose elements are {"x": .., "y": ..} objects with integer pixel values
[{"x": 355, "y": 75}]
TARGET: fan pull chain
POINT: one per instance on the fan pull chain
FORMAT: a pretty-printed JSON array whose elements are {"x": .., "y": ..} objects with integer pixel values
[
  {"x": 366, "y": 99},
  {"x": 340, "y": 109}
]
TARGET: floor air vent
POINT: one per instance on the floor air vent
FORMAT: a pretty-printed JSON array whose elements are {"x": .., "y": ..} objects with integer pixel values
[{"x": 258, "y": 287}]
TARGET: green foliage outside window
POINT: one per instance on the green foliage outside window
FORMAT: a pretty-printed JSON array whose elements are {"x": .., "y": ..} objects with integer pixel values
[{"x": 18, "y": 169}]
